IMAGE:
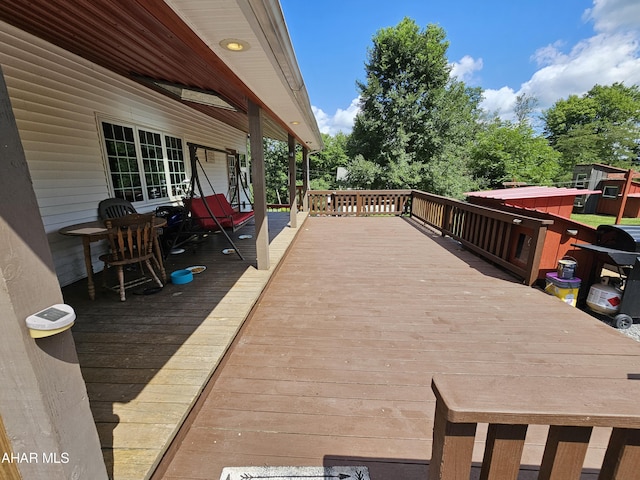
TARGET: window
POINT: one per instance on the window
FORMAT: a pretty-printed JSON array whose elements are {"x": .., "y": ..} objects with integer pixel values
[
  {"x": 610, "y": 192},
  {"x": 177, "y": 170},
  {"x": 232, "y": 170},
  {"x": 143, "y": 165},
  {"x": 581, "y": 180}
]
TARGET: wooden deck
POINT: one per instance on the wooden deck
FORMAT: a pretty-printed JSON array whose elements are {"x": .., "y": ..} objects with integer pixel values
[
  {"x": 334, "y": 364},
  {"x": 146, "y": 360}
]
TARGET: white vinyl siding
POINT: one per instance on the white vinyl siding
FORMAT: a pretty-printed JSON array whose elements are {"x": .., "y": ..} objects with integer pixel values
[
  {"x": 214, "y": 164},
  {"x": 58, "y": 100}
]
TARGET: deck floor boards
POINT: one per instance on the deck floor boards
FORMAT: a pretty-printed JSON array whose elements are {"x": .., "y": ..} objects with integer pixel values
[
  {"x": 334, "y": 365},
  {"x": 146, "y": 360}
]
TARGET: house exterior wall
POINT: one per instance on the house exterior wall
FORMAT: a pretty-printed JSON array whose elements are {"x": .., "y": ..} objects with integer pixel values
[{"x": 58, "y": 101}]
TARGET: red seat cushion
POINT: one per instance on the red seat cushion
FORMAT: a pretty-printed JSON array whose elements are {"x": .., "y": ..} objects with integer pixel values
[{"x": 221, "y": 209}]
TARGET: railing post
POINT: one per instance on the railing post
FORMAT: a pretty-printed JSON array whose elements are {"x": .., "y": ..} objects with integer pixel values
[
  {"x": 446, "y": 220},
  {"x": 452, "y": 449},
  {"x": 535, "y": 254},
  {"x": 411, "y": 202}
]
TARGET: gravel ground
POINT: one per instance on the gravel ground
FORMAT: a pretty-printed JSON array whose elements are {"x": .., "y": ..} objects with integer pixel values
[{"x": 633, "y": 331}]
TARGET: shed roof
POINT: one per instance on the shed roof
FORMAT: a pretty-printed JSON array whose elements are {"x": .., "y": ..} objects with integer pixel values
[
  {"x": 601, "y": 166},
  {"x": 530, "y": 192}
]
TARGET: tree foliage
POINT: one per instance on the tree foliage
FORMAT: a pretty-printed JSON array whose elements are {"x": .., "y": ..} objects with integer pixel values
[
  {"x": 602, "y": 126},
  {"x": 416, "y": 123},
  {"x": 505, "y": 152},
  {"x": 323, "y": 165},
  {"x": 276, "y": 165}
]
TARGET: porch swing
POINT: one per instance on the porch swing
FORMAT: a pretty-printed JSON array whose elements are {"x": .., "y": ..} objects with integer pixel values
[
  {"x": 208, "y": 213},
  {"x": 215, "y": 211}
]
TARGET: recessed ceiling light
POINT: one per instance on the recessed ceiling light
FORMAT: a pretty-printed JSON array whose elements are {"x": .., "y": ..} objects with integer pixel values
[
  {"x": 234, "y": 45},
  {"x": 295, "y": 122}
]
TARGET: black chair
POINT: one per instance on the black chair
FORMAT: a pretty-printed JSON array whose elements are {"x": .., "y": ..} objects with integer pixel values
[{"x": 115, "y": 208}]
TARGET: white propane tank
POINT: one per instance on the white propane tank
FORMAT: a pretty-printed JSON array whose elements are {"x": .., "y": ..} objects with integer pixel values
[{"x": 604, "y": 298}]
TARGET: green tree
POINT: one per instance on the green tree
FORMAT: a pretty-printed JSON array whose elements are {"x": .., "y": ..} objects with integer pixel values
[
  {"x": 602, "y": 126},
  {"x": 323, "y": 165},
  {"x": 276, "y": 167},
  {"x": 416, "y": 123},
  {"x": 506, "y": 152},
  {"x": 525, "y": 106}
]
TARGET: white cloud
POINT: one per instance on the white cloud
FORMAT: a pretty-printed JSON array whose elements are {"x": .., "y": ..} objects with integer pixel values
[
  {"x": 613, "y": 15},
  {"x": 341, "y": 121},
  {"x": 602, "y": 59},
  {"x": 465, "y": 68},
  {"x": 612, "y": 55},
  {"x": 500, "y": 102}
]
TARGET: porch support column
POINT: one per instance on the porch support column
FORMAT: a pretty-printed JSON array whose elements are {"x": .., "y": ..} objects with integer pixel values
[
  {"x": 293, "y": 194},
  {"x": 259, "y": 186},
  {"x": 43, "y": 398},
  {"x": 305, "y": 179}
]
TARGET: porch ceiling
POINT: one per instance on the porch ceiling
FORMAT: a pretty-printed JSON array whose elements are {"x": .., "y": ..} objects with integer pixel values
[{"x": 178, "y": 41}]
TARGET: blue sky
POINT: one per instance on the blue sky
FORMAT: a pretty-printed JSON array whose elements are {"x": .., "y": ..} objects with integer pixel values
[{"x": 547, "y": 49}]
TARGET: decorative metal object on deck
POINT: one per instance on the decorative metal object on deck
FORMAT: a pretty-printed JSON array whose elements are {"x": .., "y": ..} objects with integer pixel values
[
  {"x": 619, "y": 245},
  {"x": 286, "y": 473}
]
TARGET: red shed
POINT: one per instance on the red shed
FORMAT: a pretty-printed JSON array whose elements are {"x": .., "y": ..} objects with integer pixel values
[
  {"x": 610, "y": 201},
  {"x": 558, "y": 201}
]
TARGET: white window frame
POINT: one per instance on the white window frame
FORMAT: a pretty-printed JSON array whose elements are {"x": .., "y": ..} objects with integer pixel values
[
  {"x": 581, "y": 180},
  {"x": 146, "y": 199},
  {"x": 610, "y": 188}
]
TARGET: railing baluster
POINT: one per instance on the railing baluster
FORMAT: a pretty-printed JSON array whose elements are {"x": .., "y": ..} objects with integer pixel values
[
  {"x": 622, "y": 459},
  {"x": 564, "y": 453},
  {"x": 503, "y": 452}
]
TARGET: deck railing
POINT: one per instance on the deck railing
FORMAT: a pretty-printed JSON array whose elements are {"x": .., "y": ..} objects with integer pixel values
[
  {"x": 570, "y": 407},
  {"x": 513, "y": 241},
  {"x": 510, "y": 240},
  {"x": 358, "y": 202}
]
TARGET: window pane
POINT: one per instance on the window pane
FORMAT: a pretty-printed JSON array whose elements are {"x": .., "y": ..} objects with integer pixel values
[
  {"x": 122, "y": 161},
  {"x": 153, "y": 162},
  {"x": 177, "y": 171}
]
